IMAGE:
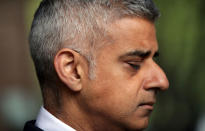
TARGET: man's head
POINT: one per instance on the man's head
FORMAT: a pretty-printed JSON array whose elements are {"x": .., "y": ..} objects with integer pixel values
[{"x": 97, "y": 55}]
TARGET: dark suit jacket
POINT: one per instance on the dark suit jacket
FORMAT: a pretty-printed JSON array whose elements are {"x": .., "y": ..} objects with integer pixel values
[{"x": 30, "y": 126}]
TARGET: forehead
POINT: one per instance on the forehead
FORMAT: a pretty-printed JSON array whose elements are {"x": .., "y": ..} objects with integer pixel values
[{"x": 132, "y": 34}]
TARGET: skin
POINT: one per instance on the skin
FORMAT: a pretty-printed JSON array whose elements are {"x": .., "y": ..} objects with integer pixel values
[{"x": 123, "y": 93}]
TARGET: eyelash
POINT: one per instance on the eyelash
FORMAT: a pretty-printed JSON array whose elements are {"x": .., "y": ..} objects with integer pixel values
[{"x": 134, "y": 66}]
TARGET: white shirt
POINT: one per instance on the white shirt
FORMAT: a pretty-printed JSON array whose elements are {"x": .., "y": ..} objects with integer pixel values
[{"x": 48, "y": 122}]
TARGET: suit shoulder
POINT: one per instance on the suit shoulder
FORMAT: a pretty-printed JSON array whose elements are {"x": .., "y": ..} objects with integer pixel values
[{"x": 30, "y": 126}]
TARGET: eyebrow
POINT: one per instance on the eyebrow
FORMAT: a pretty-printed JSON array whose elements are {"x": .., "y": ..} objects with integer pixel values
[{"x": 139, "y": 53}]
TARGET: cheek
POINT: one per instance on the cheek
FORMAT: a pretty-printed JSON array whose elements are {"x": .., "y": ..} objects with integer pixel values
[
  {"x": 114, "y": 91},
  {"x": 116, "y": 96}
]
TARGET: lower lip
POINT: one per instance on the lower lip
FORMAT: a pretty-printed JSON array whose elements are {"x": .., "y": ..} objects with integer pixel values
[{"x": 147, "y": 107}]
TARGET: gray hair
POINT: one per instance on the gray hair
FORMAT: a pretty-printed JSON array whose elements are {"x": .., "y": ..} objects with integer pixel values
[{"x": 79, "y": 25}]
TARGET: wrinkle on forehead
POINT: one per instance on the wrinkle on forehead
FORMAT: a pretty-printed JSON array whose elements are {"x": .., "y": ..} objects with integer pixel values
[{"x": 136, "y": 32}]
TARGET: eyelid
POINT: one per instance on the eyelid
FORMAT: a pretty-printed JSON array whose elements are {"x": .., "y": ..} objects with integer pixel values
[
  {"x": 135, "y": 65},
  {"x": 134, "y": 62}
]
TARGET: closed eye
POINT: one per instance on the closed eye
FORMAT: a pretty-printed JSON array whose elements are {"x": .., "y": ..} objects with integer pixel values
[{"x": 134, "y": 66}]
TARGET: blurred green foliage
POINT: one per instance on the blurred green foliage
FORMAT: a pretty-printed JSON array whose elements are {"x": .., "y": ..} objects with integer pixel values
[
  {"x": 29, "y": 10},
  {"x": 180, "y": 31}
]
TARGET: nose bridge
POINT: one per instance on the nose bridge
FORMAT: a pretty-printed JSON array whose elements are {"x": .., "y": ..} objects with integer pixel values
[{"x": 158, "y": 77}]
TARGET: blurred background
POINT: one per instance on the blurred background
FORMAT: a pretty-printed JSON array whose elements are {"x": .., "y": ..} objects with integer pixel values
[{"x": 181, "y": 36}]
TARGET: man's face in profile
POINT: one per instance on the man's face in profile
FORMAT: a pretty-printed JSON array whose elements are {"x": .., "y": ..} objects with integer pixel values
[{"x": 127, "y": 78}]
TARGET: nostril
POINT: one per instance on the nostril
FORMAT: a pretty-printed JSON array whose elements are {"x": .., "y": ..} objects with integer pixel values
[{"x": 157, "y": 83}]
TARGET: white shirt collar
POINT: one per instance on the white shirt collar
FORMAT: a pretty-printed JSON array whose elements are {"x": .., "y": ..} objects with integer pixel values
[{"x": 48, "y": 122}]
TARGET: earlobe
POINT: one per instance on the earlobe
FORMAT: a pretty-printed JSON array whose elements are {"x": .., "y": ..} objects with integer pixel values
[{"x": 66, "y": 63}]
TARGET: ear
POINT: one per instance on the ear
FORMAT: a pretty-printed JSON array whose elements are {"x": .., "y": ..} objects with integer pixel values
[{"x": 67, "y": 65}]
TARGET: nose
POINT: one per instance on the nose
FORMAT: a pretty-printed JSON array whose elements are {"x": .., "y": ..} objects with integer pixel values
[{"x": 156, "y": 78}]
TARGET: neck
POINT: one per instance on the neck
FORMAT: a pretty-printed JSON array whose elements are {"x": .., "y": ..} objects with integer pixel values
[
  {"x": 85, "y": 121},
  {"x": 75, "y": 115}
]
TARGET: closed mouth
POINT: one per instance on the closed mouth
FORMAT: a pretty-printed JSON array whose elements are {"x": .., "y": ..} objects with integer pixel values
[{"x": 147, "y": 105}]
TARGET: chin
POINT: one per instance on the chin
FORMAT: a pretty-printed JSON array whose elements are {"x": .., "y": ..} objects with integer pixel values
[{"x": 138, "y": 125}]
